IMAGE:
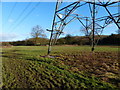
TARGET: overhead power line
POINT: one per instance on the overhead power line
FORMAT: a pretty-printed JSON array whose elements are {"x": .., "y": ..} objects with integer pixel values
[
  {"x": 12, "y": 11},
  {"x": 20, "y": 15},
  {"x": 26, "y": 16}
]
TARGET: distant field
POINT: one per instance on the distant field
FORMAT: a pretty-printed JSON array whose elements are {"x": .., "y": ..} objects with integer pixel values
[{"x": 68, "y": 67}]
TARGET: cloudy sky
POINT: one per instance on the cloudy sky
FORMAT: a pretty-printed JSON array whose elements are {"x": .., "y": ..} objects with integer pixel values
[{"x": 18, "y": 19}]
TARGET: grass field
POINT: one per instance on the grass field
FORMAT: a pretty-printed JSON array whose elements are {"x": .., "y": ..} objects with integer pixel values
[{"x": 69, "y": 67}]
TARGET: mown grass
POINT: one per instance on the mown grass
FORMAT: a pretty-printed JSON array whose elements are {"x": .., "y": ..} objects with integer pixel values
[{"x": 27, "y": 67}]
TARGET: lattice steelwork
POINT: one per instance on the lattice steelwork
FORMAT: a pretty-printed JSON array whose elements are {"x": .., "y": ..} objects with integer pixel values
[{"x": 93, "y": 23}]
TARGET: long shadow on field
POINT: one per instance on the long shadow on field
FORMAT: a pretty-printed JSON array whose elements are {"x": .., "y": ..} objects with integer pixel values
[{"x": 11, "y": 54}]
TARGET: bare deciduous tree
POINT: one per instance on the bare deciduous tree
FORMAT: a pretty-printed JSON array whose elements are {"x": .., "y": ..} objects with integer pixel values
[
  {"x": 118, "y": 31},
  {"x": 87, "y": 31},
  {"x": 37, "y": 32}
]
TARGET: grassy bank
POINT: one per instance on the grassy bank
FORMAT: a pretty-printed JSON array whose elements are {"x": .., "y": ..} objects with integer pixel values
[{"x": 69, "y": 67}]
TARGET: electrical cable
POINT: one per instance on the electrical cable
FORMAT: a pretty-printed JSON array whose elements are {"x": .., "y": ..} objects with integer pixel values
[
  {"x": 27, "y": 15},
  {"x": 11, "y": 11},
  {"x": 20, "y": 15}
]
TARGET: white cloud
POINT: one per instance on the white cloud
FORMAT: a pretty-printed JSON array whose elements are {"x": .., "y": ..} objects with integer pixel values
[
  {"x": 111, "y": 25},
  {"x": 68, "y": 32},
  {"x": 10, "y": 20},
  {"x": 7, "y": 36},
  {"x": 37, "y": 15}
]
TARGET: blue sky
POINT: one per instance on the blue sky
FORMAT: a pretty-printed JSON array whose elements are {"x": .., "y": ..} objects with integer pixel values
[{"x": 19, "y": 18}]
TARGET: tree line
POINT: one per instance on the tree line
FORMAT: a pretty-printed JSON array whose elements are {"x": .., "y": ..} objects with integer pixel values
[
  {"x": 113, "y": 39},
  {"x": 38, "y": 38}
]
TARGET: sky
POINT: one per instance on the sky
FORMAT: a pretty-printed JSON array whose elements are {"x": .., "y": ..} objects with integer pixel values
[{"x": 18, "y": 19}]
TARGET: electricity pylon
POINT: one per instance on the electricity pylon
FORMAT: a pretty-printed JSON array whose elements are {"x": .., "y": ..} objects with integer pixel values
[{"x": 65, "y": 14}]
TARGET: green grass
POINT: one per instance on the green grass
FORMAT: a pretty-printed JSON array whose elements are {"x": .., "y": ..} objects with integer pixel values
[{"x": 26, "y": 67}]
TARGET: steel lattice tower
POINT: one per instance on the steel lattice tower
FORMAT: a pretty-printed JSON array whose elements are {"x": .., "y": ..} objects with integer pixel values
[{"x": 93, "y": 24}]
